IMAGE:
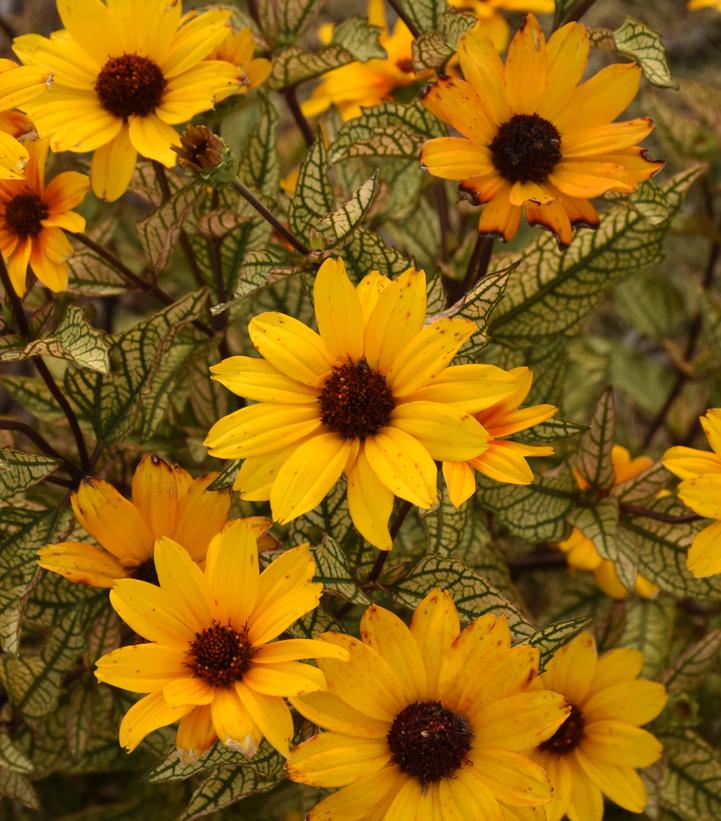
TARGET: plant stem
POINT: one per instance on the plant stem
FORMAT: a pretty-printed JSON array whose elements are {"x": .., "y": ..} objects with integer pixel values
[
  {"x": 23, "y": 327},
  {"x": 42, "y": 443},
  {"x": 183, "y": 239},
  {"x": 398, "y": 9},
  {"x": 278, "y": 226},
  {"x": 298, "y": 116},
  {"x": 133, "y": 279}
]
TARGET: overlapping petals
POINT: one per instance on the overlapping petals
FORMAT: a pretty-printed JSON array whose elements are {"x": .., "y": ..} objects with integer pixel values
[
  {"x": 610, "y": 744},
  {"x": 230, "y": 601},
  {"x": 558, "y": 138},
  {"x": 419, "y": 408},
  {"x": 700, "y": 489},
  {"x": 473, "y": 673}
]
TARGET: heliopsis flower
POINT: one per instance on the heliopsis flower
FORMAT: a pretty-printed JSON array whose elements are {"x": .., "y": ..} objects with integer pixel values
[
  {"x": 532, "y": 138},
  {"x": 355, "y": 85},
  {"x": 213, "y": 660},
  {"x": 237, "y": 49},
  {"x": 490, "y": 19},
  {"x": 597, "y": 749},
  {"x": 128, "y": 71},
  {"x": 427, "y": 722},
  {"x": 700, "y": 489},
  {"x": 33, "y": 217},
  {"x": 371, "y": 395},
  {"x": 18, "y": 85},
  {"x": 503, "y": 459},
  {"x": 166, "y": 501},
  {"x": 581, "y": 553}
]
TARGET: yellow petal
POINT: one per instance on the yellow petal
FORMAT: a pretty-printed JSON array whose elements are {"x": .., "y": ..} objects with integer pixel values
[
  {"x": 142, "y": 668},
  {"x": 81, "y": 563},
  {"x": 444, "y": 431},
  {"x": 307, "y": 476},
  {"x": 334, "y": 760},
  {"x": 113, "y": 521},
  {"x": 434, "y": 626},
  {"x": 148, "y": 714},
  {"x": 338, "y": 311},
  {"x": 370, "y": 503}
]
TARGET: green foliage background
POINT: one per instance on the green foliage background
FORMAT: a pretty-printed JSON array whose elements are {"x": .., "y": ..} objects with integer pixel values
[{"x": 633, "y": 305}]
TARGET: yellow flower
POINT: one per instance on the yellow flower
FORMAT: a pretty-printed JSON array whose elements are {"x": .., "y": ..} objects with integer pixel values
[
  {"x": 581, "y": 553},
  {"x": 595, "y": 752},
  {"x": 128, "y": 72},
  {"x": 700, "y": 489},
  {"x": 427, "y": 722},
  {"x": 237, "y": 49},
  {"x": 532, "y": 138},
  {"x": 370, "y": 396},
  {"x": 166, "y": 501},
  {"x": 491, "y": 22},
  {"x": 32, "y": 220},
  {"x": 18, "y": 85},
  {"x": 503, "y": 459},
  {"x": 212, "y": 661},
  {"x": 367, "y": 84}
]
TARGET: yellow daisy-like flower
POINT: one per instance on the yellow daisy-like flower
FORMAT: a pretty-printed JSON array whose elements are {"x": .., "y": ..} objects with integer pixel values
[
  {"x": 237, "y": 49},
  {"x": 33, "y": 217},
  {"x": 700, "y": 489},
  {"x": 581, "y": 553},
  {"x": 427, "y": 722},
  {"x": 166, "y": 501},
  {"x": 355, "y": 85},
  {"x": 533, "y": 139},
  {"x": 128, "y": 71},
  {"x": 371, "y": 395},
  {"x": 597, "y": 749},
  {"x": 490, "y": 20},
  {"x": 503, "y": 459},
  {"x": 213, "y": 661}
]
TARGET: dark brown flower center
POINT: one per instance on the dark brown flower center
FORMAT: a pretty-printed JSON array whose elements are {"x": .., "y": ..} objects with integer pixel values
[
  {"x": 130, "y": 85},
  {"x": 356, "y": 401},
  {"x": 146, "y": 572},
  {"x": 24, "y": 215},
  {"x": 568, "y": 736},
  {"x": 429, "y": 742},
  {"x": 220, "y": 655},
  {"x": 526, "y": 148}
]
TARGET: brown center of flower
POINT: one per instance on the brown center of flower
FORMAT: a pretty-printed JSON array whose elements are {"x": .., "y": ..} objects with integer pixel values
[
  {"x": 220, "y": 655},
  {"x": 568, "y": 736},
  {"x": 429, "y": 742},
  {"x": 526, "y": 148},
  {"x": 24, "y": 215},
  {"x": 356, "y": 401},
  {"x": 130, "y": 85},
  {"x": 146, "y": 572}
]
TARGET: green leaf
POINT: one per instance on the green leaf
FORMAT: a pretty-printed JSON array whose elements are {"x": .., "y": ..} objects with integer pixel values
[
  {"x": 433, "y": 49},
  {"x": 354, "y": 39},
  {"x": 160, "y": 231},
  {"x": 593, "y": 457},
  {"x": 145, "y": 363},
  {"x": 336, "y": 226},
  {"x": 536, "y": 512},
  {"x": 20, "y": 471},
  {"x": 313, "y": 198},
  {"x": 692, "y": 667},
  {"x": 636, "y": 40},
  {"x": 425, "y": 15},
  {"x": 259, "y": 166},
  {"x": 553, "y": 291},
  {"x": 554, "y": 636},
  {"x": 390, "y": 129},
  {"x": 691, "y": 786},
  {"x": 333, "y": 570},
  {"x": 471, "y": 593},
  {"x": 75, "y": 340}
]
